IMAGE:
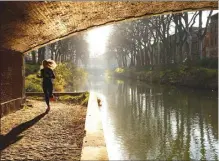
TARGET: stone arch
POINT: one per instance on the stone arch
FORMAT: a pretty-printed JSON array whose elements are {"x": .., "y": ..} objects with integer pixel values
[{"x": 28, "y": 25}]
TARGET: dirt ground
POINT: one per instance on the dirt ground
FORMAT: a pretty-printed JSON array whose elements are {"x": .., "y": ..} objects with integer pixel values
[{"x": 32, "y": 134}]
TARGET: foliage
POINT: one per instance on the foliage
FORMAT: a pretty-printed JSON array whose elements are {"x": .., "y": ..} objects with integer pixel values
[
  {"x": 182, "y": 75},
  {"x": 119, "y": 70},
  {"x": 77, "y": 76},
  {"x": 204, "y": 74},
  {"x": 62, "y": 74},
  {"x": 31, "y": 68},
  {"x": 179, "y": 75},
  {"x": 208, "y": 63},
  {"x": 66, "y": 74},
  {"x": 108, "y": 73},
  {"x": 81, "y": 99},
  {"x": 86, "y": 99},
  {"x": 118, "y": 81},
  {"x": 33, "y": 84}
]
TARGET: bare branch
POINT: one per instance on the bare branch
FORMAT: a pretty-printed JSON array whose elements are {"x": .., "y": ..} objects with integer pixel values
[
  {"x": 206, "y": 26},
  {"x": 193, "y": 18}
]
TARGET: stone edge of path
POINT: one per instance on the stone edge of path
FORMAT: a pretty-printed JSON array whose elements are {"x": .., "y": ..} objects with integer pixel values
[
  {"x": 94, "y": 146},
  {"x": 55, "y": 93}
]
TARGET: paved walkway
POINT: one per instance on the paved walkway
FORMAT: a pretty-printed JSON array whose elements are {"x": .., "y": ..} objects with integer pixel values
[{"x": 35, "y": 135}]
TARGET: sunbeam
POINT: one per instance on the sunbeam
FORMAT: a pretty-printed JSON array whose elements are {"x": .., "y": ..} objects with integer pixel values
[{"x": 97, "y": 39}]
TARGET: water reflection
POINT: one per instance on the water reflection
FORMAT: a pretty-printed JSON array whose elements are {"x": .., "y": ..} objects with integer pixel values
[{"x": 153, "y": 122}]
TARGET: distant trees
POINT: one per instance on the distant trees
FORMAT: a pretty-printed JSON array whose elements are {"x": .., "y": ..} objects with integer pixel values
[
  {"x": 159, "y": 40},
  {"x": 73, "y": 49},
  {"x": 163, "y": 39}
]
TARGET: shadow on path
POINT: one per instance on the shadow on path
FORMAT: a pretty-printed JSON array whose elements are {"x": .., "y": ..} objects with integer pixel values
[{"x": 13, "y": 135}]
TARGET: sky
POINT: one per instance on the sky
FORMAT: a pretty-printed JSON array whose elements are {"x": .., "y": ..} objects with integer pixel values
[
  {"x": 98, "y": 37},
  {"x": 204, "y": 17}
]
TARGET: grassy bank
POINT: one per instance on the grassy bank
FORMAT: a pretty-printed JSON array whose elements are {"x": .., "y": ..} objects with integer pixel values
[
  {"x": 182, "y": 75},
  {"x": 80, "y": 99}
]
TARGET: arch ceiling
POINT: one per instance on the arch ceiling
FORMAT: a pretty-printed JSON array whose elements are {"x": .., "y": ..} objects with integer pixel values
[{"x": 28, "y": 25}]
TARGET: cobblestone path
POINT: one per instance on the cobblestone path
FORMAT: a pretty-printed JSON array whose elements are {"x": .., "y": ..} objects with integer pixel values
[{"x": 30, "y": 134}]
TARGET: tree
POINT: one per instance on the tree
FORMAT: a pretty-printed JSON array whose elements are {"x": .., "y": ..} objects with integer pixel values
[
  {"x": 54, "y": 47},
  {"x": 41, "y": 54},
  {"x": 148, "y": 41},
  {"x": 188, "y": 29},
  {"x": 71, "y": 49},
  {"x": 202, "y": 32},
  {"x": 33, "y": 54}
]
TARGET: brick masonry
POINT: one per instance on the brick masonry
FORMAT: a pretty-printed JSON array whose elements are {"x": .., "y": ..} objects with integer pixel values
[
  {"x": 11, "y": 81},
  {"x": 29, "y": 25}
]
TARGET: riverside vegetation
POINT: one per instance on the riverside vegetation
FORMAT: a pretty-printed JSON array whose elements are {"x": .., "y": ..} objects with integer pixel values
[
  {"x": 202, "y": 74},
  {"x": 66, "y": 75}
]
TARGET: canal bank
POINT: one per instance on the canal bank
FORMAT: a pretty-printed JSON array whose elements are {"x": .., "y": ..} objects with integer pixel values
[
  {"x": 94, "y": 146},
  {"x": 193, "y": 77}
]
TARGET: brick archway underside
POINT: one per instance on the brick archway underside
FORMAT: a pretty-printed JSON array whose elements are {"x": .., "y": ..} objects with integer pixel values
[{"x": 25, "y": 26}]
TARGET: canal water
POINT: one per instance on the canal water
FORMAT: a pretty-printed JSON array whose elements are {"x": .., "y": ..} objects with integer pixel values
[{"x": 143, "y": 122}]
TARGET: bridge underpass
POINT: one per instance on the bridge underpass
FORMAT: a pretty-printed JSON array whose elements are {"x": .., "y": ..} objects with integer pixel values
[{"x": 26, "y": 26}]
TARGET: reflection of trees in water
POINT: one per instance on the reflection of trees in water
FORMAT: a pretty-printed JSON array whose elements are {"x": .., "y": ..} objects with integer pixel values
[{"x": 165, "y": 123}]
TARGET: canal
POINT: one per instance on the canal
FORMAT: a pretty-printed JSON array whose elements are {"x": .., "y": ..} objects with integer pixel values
[{"x": 143, "y": 122}]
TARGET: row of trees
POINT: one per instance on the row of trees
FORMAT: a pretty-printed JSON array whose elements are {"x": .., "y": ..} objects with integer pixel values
[
  {"x": 157, "y": 40},
  {"x": 163, "y": 39},
  {"x": 73, "y": 49}
]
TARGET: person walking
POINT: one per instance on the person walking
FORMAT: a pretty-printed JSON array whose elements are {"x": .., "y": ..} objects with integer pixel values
[{"x": 46, "y": 73}]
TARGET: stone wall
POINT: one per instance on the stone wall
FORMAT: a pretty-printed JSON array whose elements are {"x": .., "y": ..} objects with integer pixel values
[{"x": 11, "y": 80}]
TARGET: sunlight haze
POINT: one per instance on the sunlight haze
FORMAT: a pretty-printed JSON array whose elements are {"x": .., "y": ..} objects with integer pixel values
[{"x": 97, "y": 39}]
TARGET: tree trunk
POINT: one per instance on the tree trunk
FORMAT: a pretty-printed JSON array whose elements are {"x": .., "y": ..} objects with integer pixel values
[
  {"x": 142, "y": 57},
  {"x": 180, "y": 53},
  {"x": 200, "y": 33},
  {"x": 33, "y": 54},
  {"x": 145, "y": 56},
  {"x": 132, "y": 60},
  {"x": 190, "y": 47},
  {"x": 175, "y": 45},
  {"x": 151, "y": 57},
  {"x": 41, "y": 54},
  {"x": 52, "y": 54}
]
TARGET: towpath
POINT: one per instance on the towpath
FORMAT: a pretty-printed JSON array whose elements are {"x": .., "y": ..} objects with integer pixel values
[{"x": 31, "y": 134}]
